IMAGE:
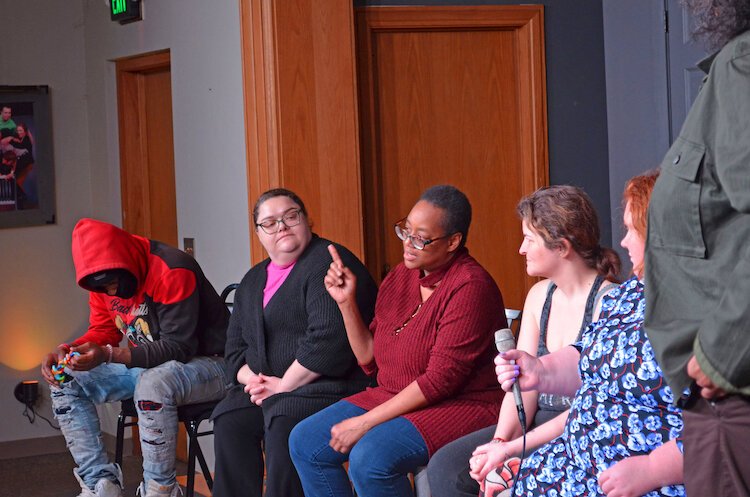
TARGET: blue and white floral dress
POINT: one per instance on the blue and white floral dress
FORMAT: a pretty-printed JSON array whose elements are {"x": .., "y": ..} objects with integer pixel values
[{"x": 623, "y": 408}]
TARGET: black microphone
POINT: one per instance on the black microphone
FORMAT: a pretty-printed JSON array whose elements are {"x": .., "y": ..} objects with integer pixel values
[{"x": 504, "y": 342}]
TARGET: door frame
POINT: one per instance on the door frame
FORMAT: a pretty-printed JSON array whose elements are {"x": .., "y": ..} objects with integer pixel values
[
  {"x": 301, "y": 123},
  {"x": 525, "y": 21},
  {"x": 135, "y": 185}
]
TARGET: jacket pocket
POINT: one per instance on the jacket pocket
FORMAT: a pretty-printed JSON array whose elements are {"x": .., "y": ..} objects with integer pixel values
[{"x": 676, "y": 212}]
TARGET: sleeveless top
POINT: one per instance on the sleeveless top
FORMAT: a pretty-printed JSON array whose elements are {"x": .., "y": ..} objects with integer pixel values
[{"x": 549, "y": 405}]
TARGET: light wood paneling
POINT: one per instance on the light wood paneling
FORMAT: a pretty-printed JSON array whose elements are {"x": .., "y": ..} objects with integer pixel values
[
  {"x": 446, "y": 94},
  {"x": 149, "y": 207},
  {"x": 453, "y": 95},
  {"x": 160, "y": 153},
  {"x": 144, "y": 103},
  {"x": 301, "y": 111}
]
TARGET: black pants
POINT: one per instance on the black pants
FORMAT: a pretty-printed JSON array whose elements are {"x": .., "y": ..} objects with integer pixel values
[
  {"x": 448, "y": 469},
  {"x": 239, "y": 440}
]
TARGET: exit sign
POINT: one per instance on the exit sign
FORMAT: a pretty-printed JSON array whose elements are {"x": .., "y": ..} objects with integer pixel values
[{"x": 124, "y": 11}]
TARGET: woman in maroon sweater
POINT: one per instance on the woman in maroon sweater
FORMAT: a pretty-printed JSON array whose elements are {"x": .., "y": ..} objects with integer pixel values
[{"x": 430, "y": 347}]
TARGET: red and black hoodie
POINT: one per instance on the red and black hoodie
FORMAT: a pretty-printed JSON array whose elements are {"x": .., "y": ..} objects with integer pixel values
[{"x": 175, "y": 313}]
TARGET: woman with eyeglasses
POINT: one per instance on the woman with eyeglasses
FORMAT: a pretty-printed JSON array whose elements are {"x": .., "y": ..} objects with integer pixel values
[
  {"x": 286, "y": 349},
  {"x": 429, "y": 346}
]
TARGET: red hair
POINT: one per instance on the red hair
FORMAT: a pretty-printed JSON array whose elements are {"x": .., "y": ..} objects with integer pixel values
[{"x": 638, "y": 192}]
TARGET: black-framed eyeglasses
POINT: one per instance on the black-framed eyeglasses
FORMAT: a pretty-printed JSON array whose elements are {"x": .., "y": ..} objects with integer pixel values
[
  {"x": 417, "y": 241},
  {"x": 272, "y": 226}
]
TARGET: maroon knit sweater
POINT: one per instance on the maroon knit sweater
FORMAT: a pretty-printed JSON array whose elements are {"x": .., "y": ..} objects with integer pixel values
[{"x": 447, "y": 348}]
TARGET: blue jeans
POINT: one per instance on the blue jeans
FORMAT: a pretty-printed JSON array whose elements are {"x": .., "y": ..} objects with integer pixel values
[
  {"x": 157, "y": 392},
  {"x": 378, "y": 463}
]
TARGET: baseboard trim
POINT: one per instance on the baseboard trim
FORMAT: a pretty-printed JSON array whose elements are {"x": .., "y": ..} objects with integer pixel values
[{"x": 30, "y": 447}]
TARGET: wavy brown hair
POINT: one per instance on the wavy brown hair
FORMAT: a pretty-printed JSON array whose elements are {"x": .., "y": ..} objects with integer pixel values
[
  {"x": 718, "y": 21},
  {"x": 565, "y": 212}
]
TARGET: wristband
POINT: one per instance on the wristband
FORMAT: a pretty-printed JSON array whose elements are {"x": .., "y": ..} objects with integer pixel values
[
  {"x": 109, "y": 358},
  {"x": 497, "y": 440}
]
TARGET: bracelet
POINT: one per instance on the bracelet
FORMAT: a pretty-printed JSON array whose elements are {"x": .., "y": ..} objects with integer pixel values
[
  {"x": 497, "y": 440},
  {"x": 109, "y": 348}
]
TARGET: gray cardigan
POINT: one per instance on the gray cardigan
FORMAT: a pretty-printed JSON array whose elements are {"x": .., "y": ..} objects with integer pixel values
[{"x": 302, "y": 322}]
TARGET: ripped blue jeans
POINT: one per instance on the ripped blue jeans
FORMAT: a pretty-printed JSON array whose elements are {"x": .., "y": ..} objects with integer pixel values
[{"x": 157, "y": 392}]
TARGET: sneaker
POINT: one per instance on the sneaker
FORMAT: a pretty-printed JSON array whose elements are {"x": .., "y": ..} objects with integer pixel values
[
  {"x": 153, "y": 489},
  {"x": 107, "y": 488},
  {"x": 85, "y": 490},
  {"x": 103, "y": 488}
]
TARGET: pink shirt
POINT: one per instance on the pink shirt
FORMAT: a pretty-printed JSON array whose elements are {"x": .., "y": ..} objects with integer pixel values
[{"x": 275, "y": 276}]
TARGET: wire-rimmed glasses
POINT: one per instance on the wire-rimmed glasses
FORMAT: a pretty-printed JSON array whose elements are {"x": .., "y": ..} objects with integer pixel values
[
  {"x": 417, "y": 241},
  {"x": 272, "y": 226}
]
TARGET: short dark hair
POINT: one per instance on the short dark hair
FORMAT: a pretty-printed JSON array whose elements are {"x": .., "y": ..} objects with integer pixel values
[
  {"x": 277, "y": 192},
  {"x": 10, "y": 155},
  {"x": 456, "y": 208}
]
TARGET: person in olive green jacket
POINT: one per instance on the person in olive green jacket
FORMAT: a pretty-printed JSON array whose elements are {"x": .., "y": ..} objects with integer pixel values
[{"x": 698, "y": 260}]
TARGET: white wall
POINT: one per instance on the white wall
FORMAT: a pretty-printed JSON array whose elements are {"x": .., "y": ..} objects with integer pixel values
[
  {"x": 39, "y": 304},
  {"x": 207, "y": 102},
  {"x": 70, "y": 46}
]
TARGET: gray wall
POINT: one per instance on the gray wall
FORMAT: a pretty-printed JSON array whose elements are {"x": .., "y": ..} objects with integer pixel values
[
  {"x": 637, "y": 106},
  {"x": 70, "y": 46},
  {"x": 638, "y": 59}
]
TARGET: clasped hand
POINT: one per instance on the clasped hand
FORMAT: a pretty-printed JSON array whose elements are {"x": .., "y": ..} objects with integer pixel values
[
  {"x": 347, "y": 433},
  {"x": 485, "y": 458},
  {"x": 260, "y": 387}
]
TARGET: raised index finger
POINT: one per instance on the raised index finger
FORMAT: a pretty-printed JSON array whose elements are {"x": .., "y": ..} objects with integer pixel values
[{"x": 335, "y": 255}]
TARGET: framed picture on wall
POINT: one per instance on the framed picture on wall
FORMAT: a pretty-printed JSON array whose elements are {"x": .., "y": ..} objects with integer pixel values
[{"x": 27, "y": 173}]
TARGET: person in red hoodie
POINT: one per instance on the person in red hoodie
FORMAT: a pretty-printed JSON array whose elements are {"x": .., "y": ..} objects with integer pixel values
[{"x": 175, "y": 324}]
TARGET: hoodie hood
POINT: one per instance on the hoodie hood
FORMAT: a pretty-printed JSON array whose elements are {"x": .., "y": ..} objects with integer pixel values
[{"x": 99, "y": 246}]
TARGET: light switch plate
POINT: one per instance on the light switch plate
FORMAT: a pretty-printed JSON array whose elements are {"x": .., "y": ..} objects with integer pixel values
[{"x": 188, "y": 245}]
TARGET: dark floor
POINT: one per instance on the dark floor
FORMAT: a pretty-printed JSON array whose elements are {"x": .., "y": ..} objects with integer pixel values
[{"x": 52, "y": 476}]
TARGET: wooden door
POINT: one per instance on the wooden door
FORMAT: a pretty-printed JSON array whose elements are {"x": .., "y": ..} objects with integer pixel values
[
  {"x": 453, "y": 95},
  {"x": 301, "y": 111},
  {"x": 149, "y": 208},
  {"x": 144, "y": 103}
]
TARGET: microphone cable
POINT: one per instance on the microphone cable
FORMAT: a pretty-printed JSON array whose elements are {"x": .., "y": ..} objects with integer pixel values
[{"x": 523, "y": 455}]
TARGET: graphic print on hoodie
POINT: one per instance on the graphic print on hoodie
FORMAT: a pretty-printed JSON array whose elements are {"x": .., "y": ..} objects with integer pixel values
[{"x": 174, "y": 314}]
